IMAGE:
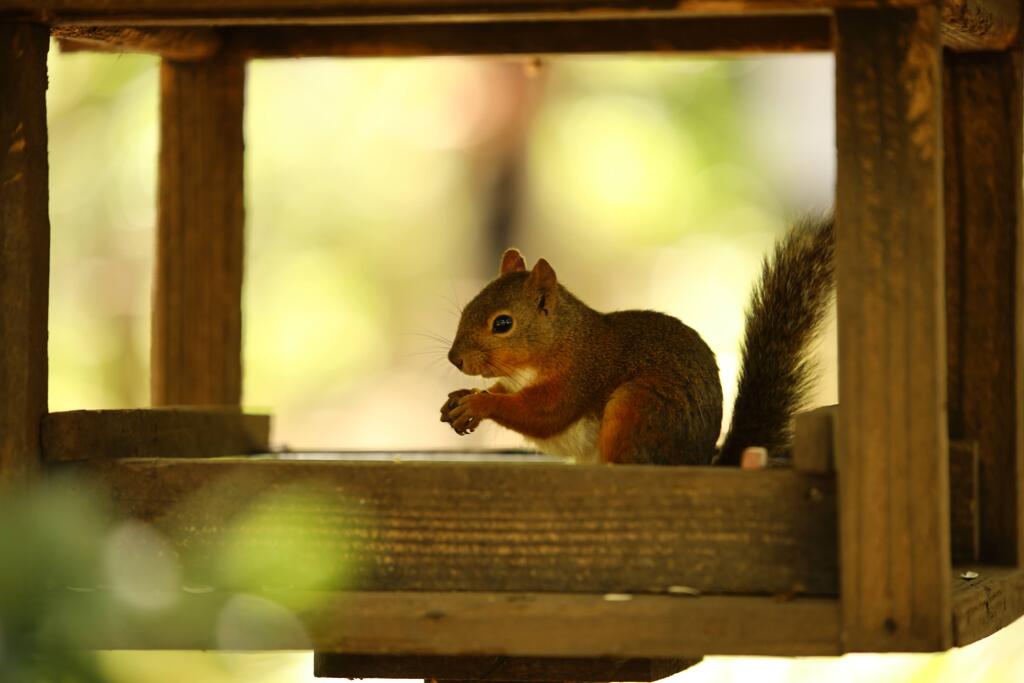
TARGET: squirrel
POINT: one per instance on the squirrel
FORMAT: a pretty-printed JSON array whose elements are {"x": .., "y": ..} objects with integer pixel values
[{"x": 640, "y": 387}]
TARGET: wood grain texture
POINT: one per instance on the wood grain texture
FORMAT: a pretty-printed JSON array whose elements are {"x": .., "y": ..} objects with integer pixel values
[
  {"x": 181, "y": 44},
  {"x": 659, "y": 36},
  {"x": 170, "y": 432},
  {"x": 197, "y": 295},
  {"x": 24, "y": 247},
  {"x": 496, "y": 668},
  {"x": 509, "y": 624},
  {"x": 514, "y": 527},
  {"x": 235, "y": 12},
  {"x": 983, "y": 117},
  {"x": 891, "y": 440},
  {"x": 971, "y": 25},
  {"x": 814, "y": 440},
  {"x": 986, "y": 604},
  {"x": 964, "y": 520}
]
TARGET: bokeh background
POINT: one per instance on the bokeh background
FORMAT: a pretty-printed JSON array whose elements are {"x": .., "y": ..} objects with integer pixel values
[{"x": 379, "y": 196}]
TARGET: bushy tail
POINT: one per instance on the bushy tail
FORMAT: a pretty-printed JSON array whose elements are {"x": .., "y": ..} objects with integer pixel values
[{"x": 787, "y": 310}]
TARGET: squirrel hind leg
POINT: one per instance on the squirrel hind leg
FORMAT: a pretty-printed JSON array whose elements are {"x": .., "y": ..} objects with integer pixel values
[{"x": 646, "y": 424}]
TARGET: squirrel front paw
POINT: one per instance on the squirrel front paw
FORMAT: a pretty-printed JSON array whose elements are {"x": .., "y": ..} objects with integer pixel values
[{"x": 465, "y": 409}]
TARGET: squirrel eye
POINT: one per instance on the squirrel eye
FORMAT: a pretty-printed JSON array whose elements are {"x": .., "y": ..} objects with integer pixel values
[{"x": 501, "y": 324}]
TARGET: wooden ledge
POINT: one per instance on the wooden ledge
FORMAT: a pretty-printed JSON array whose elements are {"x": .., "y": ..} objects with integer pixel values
[
  {"x": 508, "y": 624},
  {"x": 505, "y": 527},
  {"x": 153, "y": 432}
]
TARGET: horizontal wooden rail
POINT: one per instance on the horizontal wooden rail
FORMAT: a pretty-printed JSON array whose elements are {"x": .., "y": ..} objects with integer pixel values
[
  {"x": 967, "y": 28},
  {"x": 508, "y": 527},
  {"x": 665, "y": 36},
  {"x": 155, "y": 432},
  {"x": 238, "y": 12},
  {"x": 540, "y": 669},
  {"x": 510, "y": 624},
  {"x": 987, "y": 603}
]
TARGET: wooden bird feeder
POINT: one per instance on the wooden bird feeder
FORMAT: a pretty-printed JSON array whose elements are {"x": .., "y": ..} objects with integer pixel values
[{"x": 490, "y": 571}]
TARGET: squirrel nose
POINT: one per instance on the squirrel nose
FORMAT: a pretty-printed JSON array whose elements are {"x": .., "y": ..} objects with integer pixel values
[{"x": 455, "y": 358}]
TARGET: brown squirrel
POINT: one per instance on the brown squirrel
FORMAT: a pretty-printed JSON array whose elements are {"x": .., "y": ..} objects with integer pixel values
[{"x": 639, "y": 386}]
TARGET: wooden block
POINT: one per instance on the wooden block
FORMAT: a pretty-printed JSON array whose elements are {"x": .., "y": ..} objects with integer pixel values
[
  {"x": 496, "y": 668},
  {"x": 971, "y": 25},
  {"x": 155, "y": 433},
  {"x": 814, "y": 440},
  {"x": 891, "y": 440},
  {"x": 197, "y": 295},
  {"x": 467, "y": 623},
  {"x": 964, "y": 522},
  {"x": 24, "y": 246},
  {"x": 514, "y": 527},
  {"x": 983, "y": 605},
  {"x": 982, "y": 121}
]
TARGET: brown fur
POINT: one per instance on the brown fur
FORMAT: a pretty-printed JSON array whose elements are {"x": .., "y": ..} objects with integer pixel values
[{"x": 649, "y": 379}]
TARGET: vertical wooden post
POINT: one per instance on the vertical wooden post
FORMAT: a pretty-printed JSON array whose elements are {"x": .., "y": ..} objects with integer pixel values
[
  {"x": 24, "y": 246},
  {"x": 197, "y": 296},
  {"x": 891, "y": 441},
  {"x": 983, "y": 119}
]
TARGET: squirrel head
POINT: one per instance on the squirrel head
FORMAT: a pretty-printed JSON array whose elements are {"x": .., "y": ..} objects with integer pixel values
[{"x": 512, "y": 325}]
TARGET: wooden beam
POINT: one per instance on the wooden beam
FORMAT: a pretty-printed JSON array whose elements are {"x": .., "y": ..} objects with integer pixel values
[
  {"x": 983, "y": 605},
  {"x": 238, "y": 12},
  {"x": 983, "y": 120},
  {"x": 972, "y": 25},
  {"x": 892, "y": 435},
  {"x": 172, "y": 432},
  {"x": 967, "y": 25},
  {"x": 510, "y": 527},
  {"x": 498, "y": 668},
  {"x": 24, "y": 247},
  {"x": 467, "y": 623},
  {"x": 181, "y": 44},
  {"x": 197, "y": 296},
  {"x": 664, "y": 36}
]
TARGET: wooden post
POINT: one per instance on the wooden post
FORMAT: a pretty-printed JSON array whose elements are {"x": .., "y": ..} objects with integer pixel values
[
  {"x": 24, "y": 246},
  {"x": 197, "y": 296},
  {"x": 891, "y": 441},
  {"x": 982, "y": 121}
]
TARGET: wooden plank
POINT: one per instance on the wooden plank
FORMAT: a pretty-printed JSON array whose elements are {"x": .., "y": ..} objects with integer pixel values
[
  {"x": 814, "y": 440},
  {"x": 970, "y": 25},
  {"x": 24, "y": 247},
  {"x": 181, "y": 44},
  {"x": 177, "y": 432},
  {"x": 982, "y": 121},
  {"x": 984, "y": 605},
  {"x": 197, "y": 295},
  {"x": 892, "y": 435},
  {"x": 964, "y": 521},
  {"x": 236, "y": 12},
  {"x": 514, "y": 527},
  {"x": 496, "y": 668},
  {"x": 466, "y": 623},
  {"x": 793, "y": 33},
  {"x": 787, "y": 33}
]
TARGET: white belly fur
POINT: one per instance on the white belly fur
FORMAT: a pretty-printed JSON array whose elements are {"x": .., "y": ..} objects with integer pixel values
[{"x": 578, "y": 442}]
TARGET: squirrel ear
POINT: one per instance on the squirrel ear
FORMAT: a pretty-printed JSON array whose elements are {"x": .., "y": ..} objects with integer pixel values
[
  {"x": 543, "y": 278},
  {"x": 512, "y": 262}
]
